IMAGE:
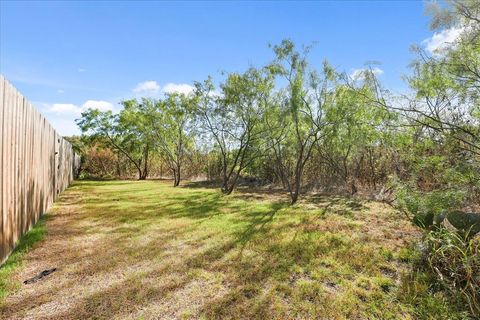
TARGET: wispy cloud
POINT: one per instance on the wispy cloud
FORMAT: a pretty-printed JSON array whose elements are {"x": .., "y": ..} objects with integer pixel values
[
  {"x": 60, "y": 91},
  {"x": 442, "y": 40},
  {"x": 81, "y": 70},
  {"x": 152, "y": 88},
  {"x": 98, "y": 104},
  {"x": 147, "y": 87},
  {"x": 178, "y": 88},
  {"x": 359, "y": 74}
]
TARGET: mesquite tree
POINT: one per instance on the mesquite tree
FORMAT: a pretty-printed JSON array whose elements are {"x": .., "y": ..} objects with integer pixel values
[
  {"x": 172, "y": 119},
  {"x": 360, "y": 129},
  {"x": 295, "y": 117},
  {"x": 233, "y": 119},
  {"x": 127, "y": 132}
]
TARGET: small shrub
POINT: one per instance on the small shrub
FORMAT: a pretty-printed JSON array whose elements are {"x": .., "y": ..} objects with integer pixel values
[
  {"x": 451, "y": 258},
  {"x": 427, "y": 209}
]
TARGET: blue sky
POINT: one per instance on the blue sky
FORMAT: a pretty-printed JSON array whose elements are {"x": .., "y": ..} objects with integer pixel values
[{"x": 66, "y": 56}]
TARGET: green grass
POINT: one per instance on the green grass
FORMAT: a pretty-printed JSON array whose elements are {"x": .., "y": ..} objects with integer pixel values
[
  {"x": 141, "y": 249},
  {"x": 14, "y": 261}
]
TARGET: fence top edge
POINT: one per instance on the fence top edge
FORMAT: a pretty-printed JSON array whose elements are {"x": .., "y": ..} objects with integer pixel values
[{"x": 3, "y": 79}]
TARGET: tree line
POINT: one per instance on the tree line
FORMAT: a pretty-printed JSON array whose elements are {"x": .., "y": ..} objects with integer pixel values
[
  {"x": 284, "y": 124},
  {"x": 290, "y": 124}
]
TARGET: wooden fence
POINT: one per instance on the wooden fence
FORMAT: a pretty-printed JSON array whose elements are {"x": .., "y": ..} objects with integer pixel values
[{"x": 36, "y": 165}]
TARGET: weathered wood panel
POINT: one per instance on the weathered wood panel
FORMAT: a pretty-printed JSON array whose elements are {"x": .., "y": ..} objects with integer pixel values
[{"x": 36, "y": 164}]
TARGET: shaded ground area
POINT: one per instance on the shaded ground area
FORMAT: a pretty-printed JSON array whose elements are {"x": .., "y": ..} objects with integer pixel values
[{"x": 146, "y": 250}]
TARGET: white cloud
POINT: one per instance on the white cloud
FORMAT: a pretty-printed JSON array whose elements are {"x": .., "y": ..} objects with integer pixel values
[
  {"x": 152, "y": 88},
  {"x": 60, "y": 91},
  {"x": 359, "y": 74},
  {"x": 442, "y": 40},
  {"x": 178, "y": 88},
  {"x": 81, "y": 70},
  {"x": 62, "y": 115},
  {"x": 63, "y": 108},
  {"x": 69, "y": 109},
  {"x": 98, "y": 104},
  {"x": 149, "y": 87}
]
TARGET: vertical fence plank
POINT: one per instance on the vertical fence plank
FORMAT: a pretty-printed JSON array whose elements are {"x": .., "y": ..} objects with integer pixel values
[
  {"x": 2, "y": 173},
  {"x": 36, "y": 164},
  {"x": 8, "y": 166},
  {"x": 26, "y": 166},
  {"x": 31, "y": 164},
  {"x": 11, "y": 166},
  {"x": 4, "y": 169}
]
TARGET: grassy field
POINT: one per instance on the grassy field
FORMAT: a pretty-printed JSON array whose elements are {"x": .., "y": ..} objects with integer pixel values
[{"x": 143, "y": 249}]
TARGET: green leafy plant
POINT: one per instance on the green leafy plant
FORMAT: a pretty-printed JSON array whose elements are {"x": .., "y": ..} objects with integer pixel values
[
  {"x": 427, "y": 210},
  {"x": 455, "y": 260}
]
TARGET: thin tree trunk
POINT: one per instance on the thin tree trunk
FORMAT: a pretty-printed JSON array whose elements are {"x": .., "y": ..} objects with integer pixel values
[
  {"x": 145, "y": 165},
  {"x": 176, "y": 182},
  {"x": 296, "y": 187},
  {"x": 174, "y": 173},
  {"x": 294, "y": 194},
  {"x": 225, "y": 188},
  {"x": 141, "y": 175}
]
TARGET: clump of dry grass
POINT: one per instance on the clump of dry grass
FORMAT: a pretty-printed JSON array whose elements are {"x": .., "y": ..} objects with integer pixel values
[{"x": 142, "y": 249}]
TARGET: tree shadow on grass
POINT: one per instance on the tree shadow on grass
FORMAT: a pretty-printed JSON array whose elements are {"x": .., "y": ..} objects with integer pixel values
[
  {"x": 245, "y": 277},
  {"x": 350, "y": 202},
  {"x": 205, "y": 184},
  {"x": 139, "y": 289},
  {"x": 253, "y": 257},
  {"x": 257, "y": 223},
  {"x": 255, "y": 193}
]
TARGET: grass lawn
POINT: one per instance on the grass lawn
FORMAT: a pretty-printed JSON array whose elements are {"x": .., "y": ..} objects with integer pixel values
[{"x": 143, "y": 250}]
